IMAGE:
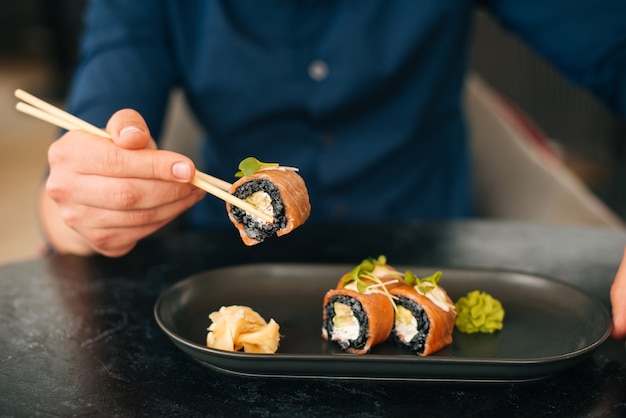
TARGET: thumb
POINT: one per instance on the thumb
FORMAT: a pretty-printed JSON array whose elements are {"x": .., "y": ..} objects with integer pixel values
[{"x": 128, "y": 130}]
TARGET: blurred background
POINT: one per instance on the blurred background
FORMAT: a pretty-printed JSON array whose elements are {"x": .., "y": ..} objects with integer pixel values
[{"x": 38, "y": 41}]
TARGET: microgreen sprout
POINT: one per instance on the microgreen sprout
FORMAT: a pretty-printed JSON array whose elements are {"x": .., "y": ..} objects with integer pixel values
[
  {"x": 363, "y": 273},
  {"x": 367, "y": 276},
  {"x": 428, "y": 286},
  {"x": 250, "y": 165},
  {"x": 424, "y": 285}
]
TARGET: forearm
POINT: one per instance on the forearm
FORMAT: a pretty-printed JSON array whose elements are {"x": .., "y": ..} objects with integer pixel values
[
  {"x": 618, "y": 301},
  {"x": 58, "y": 235}
]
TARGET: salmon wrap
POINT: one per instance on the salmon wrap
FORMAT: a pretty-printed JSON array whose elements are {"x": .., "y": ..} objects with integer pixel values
[
  {"x": 356, "y": 321},
  {"x": 359, "y": 312},
  {"x": 280, "y": 192},
  {"x": 424, "y": 322}
]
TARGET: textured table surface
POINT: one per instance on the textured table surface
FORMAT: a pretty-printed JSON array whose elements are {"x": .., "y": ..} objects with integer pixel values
[{"x": 78, "y": 335}]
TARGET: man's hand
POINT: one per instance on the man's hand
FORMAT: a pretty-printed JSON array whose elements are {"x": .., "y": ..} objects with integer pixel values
[
  {"x": 104, "y": 195},
  {"x": 618, "y": 301}
]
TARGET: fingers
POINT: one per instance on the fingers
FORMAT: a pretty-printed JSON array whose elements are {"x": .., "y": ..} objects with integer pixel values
[
  {"x": 85, "y": 154},
  {"x": 113, "y": 232},
  {"x": 114, "y": 192},
  {"x": 618, "y": 301},
  {"x": 128, "y": 130},
  {"x": 107, "y": 218},
  {"x": 110, "y": 193}
]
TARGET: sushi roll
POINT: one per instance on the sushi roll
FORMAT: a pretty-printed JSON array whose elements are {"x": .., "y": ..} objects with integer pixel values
[
  {"x": 278, "y": 191},
  {"x": 375, "y": 301},
  {"x": 424, "y": 319},
  {"x": 359, "y": 312},
  {"x": 356, "y": 321}
]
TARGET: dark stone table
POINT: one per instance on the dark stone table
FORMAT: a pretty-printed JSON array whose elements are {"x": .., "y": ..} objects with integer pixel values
[{"x": 78, "y": 335}]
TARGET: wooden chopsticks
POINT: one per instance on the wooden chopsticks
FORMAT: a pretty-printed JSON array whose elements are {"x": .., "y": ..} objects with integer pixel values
[{"x": 46, "y": 112}]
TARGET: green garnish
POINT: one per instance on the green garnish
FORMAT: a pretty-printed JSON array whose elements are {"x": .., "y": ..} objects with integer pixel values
[
  {"x": 479, "y": 312},
  {"x": 250, "y": 165},
  {"x": 367, "y": 275},
  {"x": 363, "y": 273},
  {"x": 425, "y": 284}
]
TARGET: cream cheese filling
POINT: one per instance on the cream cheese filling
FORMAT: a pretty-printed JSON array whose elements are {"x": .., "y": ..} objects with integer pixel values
[
  {"x": 437, "y": 296},
  {"x": 405, "y": 324},
  {"x": 263, "y": 201},
  {"x": 345, "y": 325}
]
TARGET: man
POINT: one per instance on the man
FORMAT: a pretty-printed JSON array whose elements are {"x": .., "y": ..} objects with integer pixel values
[{"x": 360, "y": 95}]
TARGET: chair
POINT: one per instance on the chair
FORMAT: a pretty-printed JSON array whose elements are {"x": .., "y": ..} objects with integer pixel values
[{"x": 517, "y": 173}]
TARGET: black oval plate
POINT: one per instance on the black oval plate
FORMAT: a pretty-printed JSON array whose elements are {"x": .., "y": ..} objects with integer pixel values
[{"x": 549, "y": 326}]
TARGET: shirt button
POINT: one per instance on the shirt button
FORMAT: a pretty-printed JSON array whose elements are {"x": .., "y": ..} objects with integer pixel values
[{"x": 318, "y": 70}]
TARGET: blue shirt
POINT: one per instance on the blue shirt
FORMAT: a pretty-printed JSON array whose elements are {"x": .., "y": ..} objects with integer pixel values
[{"x": 363, "y": 96}]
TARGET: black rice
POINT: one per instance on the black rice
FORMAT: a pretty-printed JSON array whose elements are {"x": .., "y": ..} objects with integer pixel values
[
  {"x": 359, "y": 314},
  {"x": 417, "y": 343},
  {"x": 254, "y": 228}
]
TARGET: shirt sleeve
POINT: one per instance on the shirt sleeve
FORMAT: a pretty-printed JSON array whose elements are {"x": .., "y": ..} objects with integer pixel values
[
  {"x": 584, "y": 39},
  {"x": 125, "y": 62}
]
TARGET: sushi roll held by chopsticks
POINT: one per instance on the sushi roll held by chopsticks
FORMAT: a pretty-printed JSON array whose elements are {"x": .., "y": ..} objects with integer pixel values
[
  {"x": 277, "y": 191},
  {"x": 275, "y": 202}
]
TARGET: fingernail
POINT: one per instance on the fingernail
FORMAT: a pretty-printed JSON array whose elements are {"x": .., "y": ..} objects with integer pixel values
[
  {"x": 126, "y": 130},
  {"x": 181, "y": 171}
]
